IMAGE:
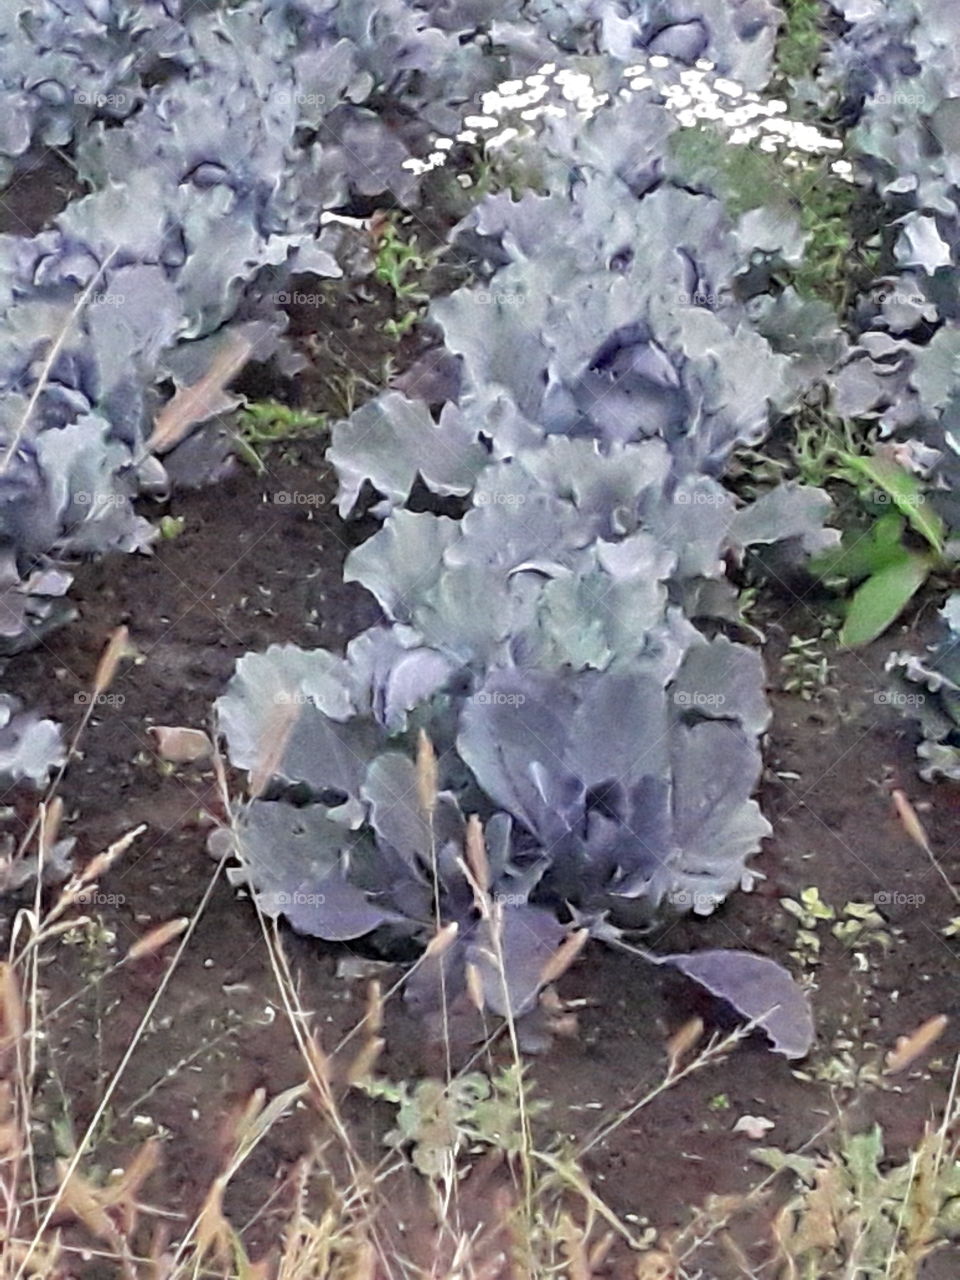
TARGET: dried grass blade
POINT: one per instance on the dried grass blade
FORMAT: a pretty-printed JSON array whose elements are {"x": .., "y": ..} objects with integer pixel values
[
  {"x": 276, "y": 736},
  {"x": 915, "y": 830},
  {"x": 564, "y": 956},
  {"x": 362, "y": 1065},
  {"x": 157, "y": 939},
  {"x": 682, "y": 1041},
  {"x": 51, "y": 815},
  {"x": 426, "y": 774},
  {"x": 476, "y": 853},
  {"x": 475, "y": 987},
  {"x": 441, "y": 941},
  {"x": 51, "y": 359},
  {"x": 192, "y": 405},
  {"x": 117, "y": 648},
  {"x": 910, "y": 1048}
]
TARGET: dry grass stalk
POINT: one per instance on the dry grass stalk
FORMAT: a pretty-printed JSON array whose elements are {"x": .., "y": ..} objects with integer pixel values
[
  {"x": 475, "y": 989},
  {"x": 363, "y": 1064},
  {"x": 915, "y": 830},
  {"x": 51, "y": 359},
  {"x": 564, "y": 956},
  {"x": 117, "y": 648},
  {"x": 192, "y": 405},
  {"x": 426, "y": 775},
  {"x": 84, "y": 881},
  {"x": 54, "y": 1202},
  {"x": 370, "y": 1026},
  {"x": 157, "y": 939},
  {"x": 910, "y": 1048},
  {"x": 110, "y": 1213},
  {"x": 682, "y": 1041},
  {"x": 476, "y": 853},
  {"x": 441, "y": 941},
  {"x": 51, "y": 816},
  {"x": 715, "y": 1049},
  {"x": 573, "y": 1247},
  {"x": 280, "y": 726}
]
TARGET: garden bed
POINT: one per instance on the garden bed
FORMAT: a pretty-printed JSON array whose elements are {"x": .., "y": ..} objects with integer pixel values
[{"x": 224, "y": 586}]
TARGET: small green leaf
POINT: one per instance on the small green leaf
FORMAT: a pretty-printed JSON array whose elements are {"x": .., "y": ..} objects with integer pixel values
[
  {"x": 862, "y": 911},
  {"x": 815, "y": 905},
  {"x": 862, "y": 554},
  {"x": 248, "y": 454},
  {"x": 172, "y": 526},
  {"x": 862, "y": 1155},
  {"x": 905, "y": 491},
  {"x": 794, "y": 908},
  {"x": 881, "y": 599},
  {"x": 806, "y": 1167}
]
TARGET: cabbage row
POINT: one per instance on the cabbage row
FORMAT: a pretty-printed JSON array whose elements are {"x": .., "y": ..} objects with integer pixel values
[
  {"x": 895, "y": 73},
  {"x": 559, "y": 637},
  {"x": 206, "y": 142}
]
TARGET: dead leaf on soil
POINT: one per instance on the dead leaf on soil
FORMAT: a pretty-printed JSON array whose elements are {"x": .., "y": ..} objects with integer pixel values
[
  {"x": 755, "y": 1127},
  {"x": 909, "y": 1048},
  {"x": 181, "y": 746}
]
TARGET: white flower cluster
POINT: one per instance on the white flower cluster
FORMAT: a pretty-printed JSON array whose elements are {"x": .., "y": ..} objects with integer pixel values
[{"x": 693, "y": 94}]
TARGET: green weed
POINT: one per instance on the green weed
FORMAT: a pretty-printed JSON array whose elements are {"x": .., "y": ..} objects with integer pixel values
[{"x": 263, "y": 424}]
